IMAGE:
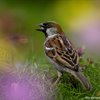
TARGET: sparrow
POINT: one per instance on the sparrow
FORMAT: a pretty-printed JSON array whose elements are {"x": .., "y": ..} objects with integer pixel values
[{"x": 61, "y": 53}]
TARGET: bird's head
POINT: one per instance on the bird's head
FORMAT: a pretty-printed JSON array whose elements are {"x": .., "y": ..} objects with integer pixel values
[{"x": 50, "y": 28}]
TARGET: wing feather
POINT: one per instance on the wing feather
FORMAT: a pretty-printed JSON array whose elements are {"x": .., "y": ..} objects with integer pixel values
[{"x": 66, "y": 55}]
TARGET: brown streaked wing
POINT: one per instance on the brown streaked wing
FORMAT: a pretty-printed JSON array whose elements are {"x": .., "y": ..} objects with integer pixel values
[{"x": 66, "y": 56}]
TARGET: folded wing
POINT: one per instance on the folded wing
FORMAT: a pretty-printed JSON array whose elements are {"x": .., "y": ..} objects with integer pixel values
[{"x": 63, "y": 53}]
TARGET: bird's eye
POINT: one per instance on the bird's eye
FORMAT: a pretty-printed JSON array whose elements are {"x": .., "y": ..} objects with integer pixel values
[{"x": 48, "y": 25}]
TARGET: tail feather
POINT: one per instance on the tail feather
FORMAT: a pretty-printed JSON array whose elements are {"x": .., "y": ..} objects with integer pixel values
[{"x": 84, "y": 81}]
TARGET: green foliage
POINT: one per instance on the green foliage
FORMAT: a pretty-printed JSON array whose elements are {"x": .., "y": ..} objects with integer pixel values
[
  {"x": 70, "y": 89},
  {"x": 31, "y": 14},
  {"x": 67, "y": 91}
]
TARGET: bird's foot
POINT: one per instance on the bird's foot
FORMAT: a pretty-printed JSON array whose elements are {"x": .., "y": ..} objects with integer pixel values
[{"x": 58, "y": 79}]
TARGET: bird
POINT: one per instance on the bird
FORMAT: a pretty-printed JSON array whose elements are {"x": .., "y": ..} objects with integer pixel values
[{"x": 61, "y": 53}]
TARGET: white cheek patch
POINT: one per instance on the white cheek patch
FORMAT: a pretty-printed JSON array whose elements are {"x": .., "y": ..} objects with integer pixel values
[{"x": 51, "y": 31}]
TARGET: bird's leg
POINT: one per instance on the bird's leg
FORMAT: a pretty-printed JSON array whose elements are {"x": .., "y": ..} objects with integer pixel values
[{"x": 58, "y": 78}]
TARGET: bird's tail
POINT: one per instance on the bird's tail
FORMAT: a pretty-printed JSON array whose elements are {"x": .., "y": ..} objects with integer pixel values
[{"x": 84, "y": 81}]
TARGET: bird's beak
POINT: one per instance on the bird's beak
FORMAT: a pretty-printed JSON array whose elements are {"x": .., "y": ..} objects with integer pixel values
[{"x": 41, "y": 27}]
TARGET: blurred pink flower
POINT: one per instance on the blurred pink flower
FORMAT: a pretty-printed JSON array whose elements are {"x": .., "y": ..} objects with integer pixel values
[
  {"x": 25, "y": 86},
  {"x": 89, "y": 35}
]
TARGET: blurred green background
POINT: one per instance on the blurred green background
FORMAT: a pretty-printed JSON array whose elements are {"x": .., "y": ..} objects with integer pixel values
[
  {"x": 19, "y": 40},
  {"x": 19, "y": 19}
]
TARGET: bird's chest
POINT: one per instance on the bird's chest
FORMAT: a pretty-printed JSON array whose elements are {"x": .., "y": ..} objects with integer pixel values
[
  {"x": 54, "y": 44},
  {"x": 56, "y": 65},
  {"x": 51, "y": 47}
]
